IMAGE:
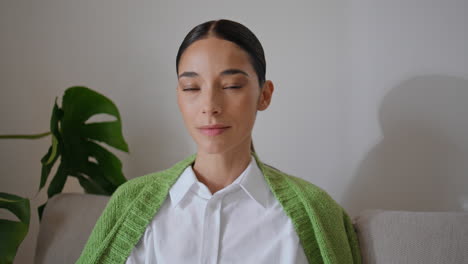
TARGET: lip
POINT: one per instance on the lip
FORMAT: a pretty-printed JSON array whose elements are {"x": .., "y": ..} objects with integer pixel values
[{"x": 213, "y": 130}]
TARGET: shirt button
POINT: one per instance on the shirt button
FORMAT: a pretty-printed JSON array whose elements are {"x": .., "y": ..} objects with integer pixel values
[{"x": 212, "y": 205}]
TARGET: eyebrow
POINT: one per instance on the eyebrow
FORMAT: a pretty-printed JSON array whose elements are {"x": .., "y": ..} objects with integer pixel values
[{"x": 225, "y": 72}]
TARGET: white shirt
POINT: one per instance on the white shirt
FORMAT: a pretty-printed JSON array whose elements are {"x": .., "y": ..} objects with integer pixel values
[{"x": 241, "y": 223}]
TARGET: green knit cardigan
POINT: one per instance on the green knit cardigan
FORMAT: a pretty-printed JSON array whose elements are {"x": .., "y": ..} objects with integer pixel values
[{"x": 324, "y": 229}]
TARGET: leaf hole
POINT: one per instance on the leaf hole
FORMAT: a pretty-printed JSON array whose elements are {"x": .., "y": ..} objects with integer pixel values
[
  {"x": 8, "y": 215},
  {"x": 93, "y": 160},
  {"x": 100, "y": 118}
]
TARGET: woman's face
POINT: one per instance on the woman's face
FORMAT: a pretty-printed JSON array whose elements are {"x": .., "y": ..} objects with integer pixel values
[{"x": 217, "y": 86}]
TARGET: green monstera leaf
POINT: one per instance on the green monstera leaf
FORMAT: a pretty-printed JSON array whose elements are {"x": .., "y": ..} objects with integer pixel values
[
  {"x": 76, "y": 143},
  {"x": 12, "y": 233}
]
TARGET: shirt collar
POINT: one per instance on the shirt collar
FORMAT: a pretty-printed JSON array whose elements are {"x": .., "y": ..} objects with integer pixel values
[{"x": 251, "y": 181}]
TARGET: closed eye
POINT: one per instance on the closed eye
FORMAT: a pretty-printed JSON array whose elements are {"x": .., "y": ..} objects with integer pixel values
[
  {"x": 190, "y": 89},
  {"x": 232, "y": 87},
  {"x": 196, "y": 89}
]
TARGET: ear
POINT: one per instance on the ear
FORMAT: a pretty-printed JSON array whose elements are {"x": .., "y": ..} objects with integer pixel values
[{"x": 265, "y": 96}]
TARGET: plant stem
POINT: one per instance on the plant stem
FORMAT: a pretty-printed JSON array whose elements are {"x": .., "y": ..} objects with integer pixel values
[{"x": 34, "y": 136}]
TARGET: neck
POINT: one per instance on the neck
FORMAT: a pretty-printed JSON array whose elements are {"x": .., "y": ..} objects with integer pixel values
[{"x": 218, "y": 170}]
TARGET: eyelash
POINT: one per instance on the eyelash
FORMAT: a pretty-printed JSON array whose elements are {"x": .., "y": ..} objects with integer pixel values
[
  {"x": 190, "y": 89},
  {"x": 228, "y": 87},
  {"x": 233, "y": 87}
]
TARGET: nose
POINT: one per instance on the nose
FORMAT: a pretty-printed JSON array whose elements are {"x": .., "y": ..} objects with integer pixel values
[{"x": 211, "y": 102}]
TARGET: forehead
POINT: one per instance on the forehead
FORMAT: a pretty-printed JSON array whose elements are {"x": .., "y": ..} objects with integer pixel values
[{"x": 213, "y": 55}]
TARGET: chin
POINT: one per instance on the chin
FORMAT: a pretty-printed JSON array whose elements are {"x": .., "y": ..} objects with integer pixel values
[{"x": 212, "y": 148}]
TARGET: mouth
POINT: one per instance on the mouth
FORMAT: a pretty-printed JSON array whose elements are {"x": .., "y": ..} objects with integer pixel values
[{"x": 213, "y": 130}]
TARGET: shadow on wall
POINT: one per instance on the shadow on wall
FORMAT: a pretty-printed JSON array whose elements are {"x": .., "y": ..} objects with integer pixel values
[{"x": 421, "y": 164}]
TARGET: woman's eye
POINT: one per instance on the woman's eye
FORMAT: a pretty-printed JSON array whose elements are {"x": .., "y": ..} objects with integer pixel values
[
  {"x": 190, "y": 89},
  {"x": 233, "y": 87},
  {"x": 196, "y": 89}
]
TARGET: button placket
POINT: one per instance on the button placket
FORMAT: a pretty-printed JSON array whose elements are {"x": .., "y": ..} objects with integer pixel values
[{"x": 211, "y": 231}]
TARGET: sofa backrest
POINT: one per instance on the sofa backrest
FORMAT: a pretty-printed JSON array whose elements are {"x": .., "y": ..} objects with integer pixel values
[
  {"x": 385, "y": 237},
  {"x": 413, "y": 237},
  {"x": 66, "y": 224}
]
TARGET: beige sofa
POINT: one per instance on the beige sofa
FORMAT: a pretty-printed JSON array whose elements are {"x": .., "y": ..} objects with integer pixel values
[{"x": 385, "y": 236}]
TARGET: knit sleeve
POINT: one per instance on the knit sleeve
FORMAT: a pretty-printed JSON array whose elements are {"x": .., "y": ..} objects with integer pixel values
[
  {"x": 352, "y": 238},
  {"x": 333, "y": 239},
  {"x": 337, "y": 240},
  {"x": 105, "y": 226},
  {"x": 334, "y": 231}
]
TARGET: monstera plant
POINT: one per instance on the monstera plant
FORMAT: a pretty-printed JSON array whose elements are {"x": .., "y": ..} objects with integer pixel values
[
  {"x": 77, "y": 144},
  {"x": 12, "y": 233}
]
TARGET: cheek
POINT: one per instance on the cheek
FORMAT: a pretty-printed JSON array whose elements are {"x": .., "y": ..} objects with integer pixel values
[
  {"x": 249, "y": 102},
  {"x": 245, "y": 108},
  {"x": 185, "y": 108}
]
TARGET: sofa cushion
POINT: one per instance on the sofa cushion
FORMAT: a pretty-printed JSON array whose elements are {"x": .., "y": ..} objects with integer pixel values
[
  {"x": 413, "y": 237},
  {"x": 66, "y": 224}
]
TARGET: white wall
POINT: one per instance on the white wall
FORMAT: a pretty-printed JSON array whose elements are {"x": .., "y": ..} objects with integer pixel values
[
  {"x": 407, "y": 110},
  {"x": 370, "y": 99}
]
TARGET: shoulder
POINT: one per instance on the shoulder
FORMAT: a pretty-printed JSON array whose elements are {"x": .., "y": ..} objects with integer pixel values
[
  {"x": 129, "y": 190},
  {"x": 312, "y": 208},
  {"x": 159, "y": 180},
  {"x": 138, "y": 196},
  {"x": 113, "y": 215},
  {"x": 305, "y": 190},
  {"x": 140, "y": 181}
]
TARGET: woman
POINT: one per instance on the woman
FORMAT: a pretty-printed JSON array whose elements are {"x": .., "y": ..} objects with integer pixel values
[{"x": 222, "y": 204}]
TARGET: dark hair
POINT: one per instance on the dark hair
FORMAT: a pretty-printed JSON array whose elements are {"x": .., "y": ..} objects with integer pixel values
[
  {"x": 231, "y": 31},
  {"x": 234, "y": 32}
]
